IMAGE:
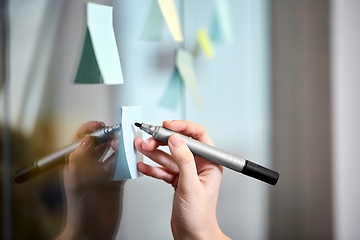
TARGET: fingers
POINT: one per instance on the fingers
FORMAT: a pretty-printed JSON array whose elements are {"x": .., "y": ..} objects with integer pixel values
[
  {"x": 87, "y": 128},
  {"x": 193, "y": 130},
  {"x": 158, "y": 156},
  {"x": 156, "y": 172},
  {"x": 184, "y": 159}
]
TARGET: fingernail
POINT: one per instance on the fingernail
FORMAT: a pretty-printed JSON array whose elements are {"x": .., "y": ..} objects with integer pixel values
[
  {"x": 85, "y": 140},
  {"x": 175, "y": 140},
  {"x": 167, "y": 122},
  {"x": 145, "y": 142},
  {"x": 102, "y": 124}
]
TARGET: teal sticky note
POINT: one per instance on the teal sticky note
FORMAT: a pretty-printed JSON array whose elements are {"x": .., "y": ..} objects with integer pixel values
[
  {"x": 100, "y": 24},
  {"x": 88, "y": 70},
  {"x": 172, "y": 94},
  {"x": 128, "y": 156},
  {"x": 214, "y": 31},
  {"x": 154, "y": 24},
  {"x": 221, "y": 26},
  {"x": 184, "y": 63}
]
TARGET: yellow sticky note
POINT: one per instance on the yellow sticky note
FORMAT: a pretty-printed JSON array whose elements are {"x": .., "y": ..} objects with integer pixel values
[
  {"x": 205, "y": 42},
  {"x": 169, "y": 12},
  {"x": 184, "y": 63}
]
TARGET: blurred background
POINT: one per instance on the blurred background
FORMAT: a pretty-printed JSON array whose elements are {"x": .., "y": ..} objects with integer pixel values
[{"x": 282, "y": 92}]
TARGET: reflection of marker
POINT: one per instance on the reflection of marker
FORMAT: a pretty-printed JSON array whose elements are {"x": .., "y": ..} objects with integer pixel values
[
  {"x": 215, "y": 155},
  {"x": 58, "y": 158}
]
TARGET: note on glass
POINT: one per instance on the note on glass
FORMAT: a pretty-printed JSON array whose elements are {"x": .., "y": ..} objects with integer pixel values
[
  {"x": 221, "y": 27},
  {"x": 128, "y": 156},
  {"x": 184, "y": 63},
  {"x": 88, "y": 70},
  {"x": 154, "y": 24},
  {"x": 169, "y": 12},
  {"x": 100, "y": 24},
  {"x": 172, "y": 94},
  {"x": 205, "y": 43}
]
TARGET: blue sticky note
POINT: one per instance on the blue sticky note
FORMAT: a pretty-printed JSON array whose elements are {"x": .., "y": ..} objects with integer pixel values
[
  {"x": 88, "y": 70},
  {"x": 128, "y": 156},
  {"x": 154, "y": 24},
  {"x": 100, "y": 24},
  {"x": 221, "y": 28},
  {"x": 172, "y": 94}
]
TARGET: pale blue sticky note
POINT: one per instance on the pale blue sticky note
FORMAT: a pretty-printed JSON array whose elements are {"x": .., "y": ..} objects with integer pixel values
[
  {"x": 154, "y": 24},
  {"x": 100, "y": 24},
  {"x": 221, "y": 27},
  {"x": 128, "y": 156},
  {"x": 171, "y": 97},
  {"x": 184, "y": 63}
]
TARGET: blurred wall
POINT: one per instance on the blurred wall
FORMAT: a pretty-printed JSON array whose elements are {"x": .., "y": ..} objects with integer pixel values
[
  {"x": 345, "y": 52},
  {"x": 301, "y": 203}
]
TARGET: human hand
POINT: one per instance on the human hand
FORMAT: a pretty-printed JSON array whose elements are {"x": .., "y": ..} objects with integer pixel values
[
  {"x": 93, "y": 200},
  {"x": 196, "y": 181}
]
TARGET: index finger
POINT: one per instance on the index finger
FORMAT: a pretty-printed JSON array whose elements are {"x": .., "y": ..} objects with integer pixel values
[
  {"x": 190, "y": 129},
  {"x": 89, "y": 127}
]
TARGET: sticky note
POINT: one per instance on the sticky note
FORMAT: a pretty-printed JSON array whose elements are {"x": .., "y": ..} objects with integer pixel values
[
  {"x": 88, "y": 70},
  {"x": 184, "y": 63},
  {"x": 169, "y": 12},
  {"x": 128, "y": 156},
  {"x": 172, "y": 94},
  {"x": 221, "y": 27},
  {"x": 100, "y": 24},
  {"x": 154, "y": 24},
  {"x": 205, "y": 43}
]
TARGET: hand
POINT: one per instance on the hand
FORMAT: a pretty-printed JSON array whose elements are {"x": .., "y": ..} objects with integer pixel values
[
  {"x": 93, "y": 200},
  {"x": 196, "y": 181}
]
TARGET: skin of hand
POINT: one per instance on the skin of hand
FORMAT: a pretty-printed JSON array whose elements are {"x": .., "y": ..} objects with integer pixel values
[
  {"x": 92, "y": 199},
  {"x": 196, "y": 181}
]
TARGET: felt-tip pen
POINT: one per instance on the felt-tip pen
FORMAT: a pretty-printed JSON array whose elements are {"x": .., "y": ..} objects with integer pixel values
[
  {"x": 215, "y": 155},
  {"x": 46, "y": 163}
]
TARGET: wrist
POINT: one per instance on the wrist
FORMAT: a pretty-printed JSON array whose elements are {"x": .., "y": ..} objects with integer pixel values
[{"x": 211, "y": 233}]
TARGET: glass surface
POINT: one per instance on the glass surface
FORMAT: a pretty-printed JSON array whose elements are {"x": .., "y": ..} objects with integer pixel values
[{"x": 46, "y": 106}]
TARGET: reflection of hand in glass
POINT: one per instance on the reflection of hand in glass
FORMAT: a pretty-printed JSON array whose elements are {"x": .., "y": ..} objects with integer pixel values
[
  {"x": 92, "y": 198},
  {"x": 196, "y": 181}
]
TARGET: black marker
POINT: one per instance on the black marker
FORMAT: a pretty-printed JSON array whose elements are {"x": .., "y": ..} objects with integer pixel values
[
  {"x": 215, "y": 155},
  {"x": 58, "y": 158}
]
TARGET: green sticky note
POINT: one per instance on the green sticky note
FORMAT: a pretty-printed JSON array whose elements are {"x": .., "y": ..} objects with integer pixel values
[
  {"x": 184, "y": 63},
  {"x": 221, "y": 27},
  {"x": 100, "y": 24},
  {"x": 154, "y": 24},
  {"x": 88, "y": 70},
  {"x": 172, "y": 94}
]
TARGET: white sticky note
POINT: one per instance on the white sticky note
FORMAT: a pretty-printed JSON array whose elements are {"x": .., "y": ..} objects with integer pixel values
[
  {"x": 100, "y": 24},
  {"x": 184, "y": 63},
  {"x": 128, "y": 156},
  {"x": 169, "y": 12}
]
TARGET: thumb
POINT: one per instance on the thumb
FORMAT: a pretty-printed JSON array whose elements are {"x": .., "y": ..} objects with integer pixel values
[
  {"x": 82, "y": 153},
  {"x": 184, "y": 159}
]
